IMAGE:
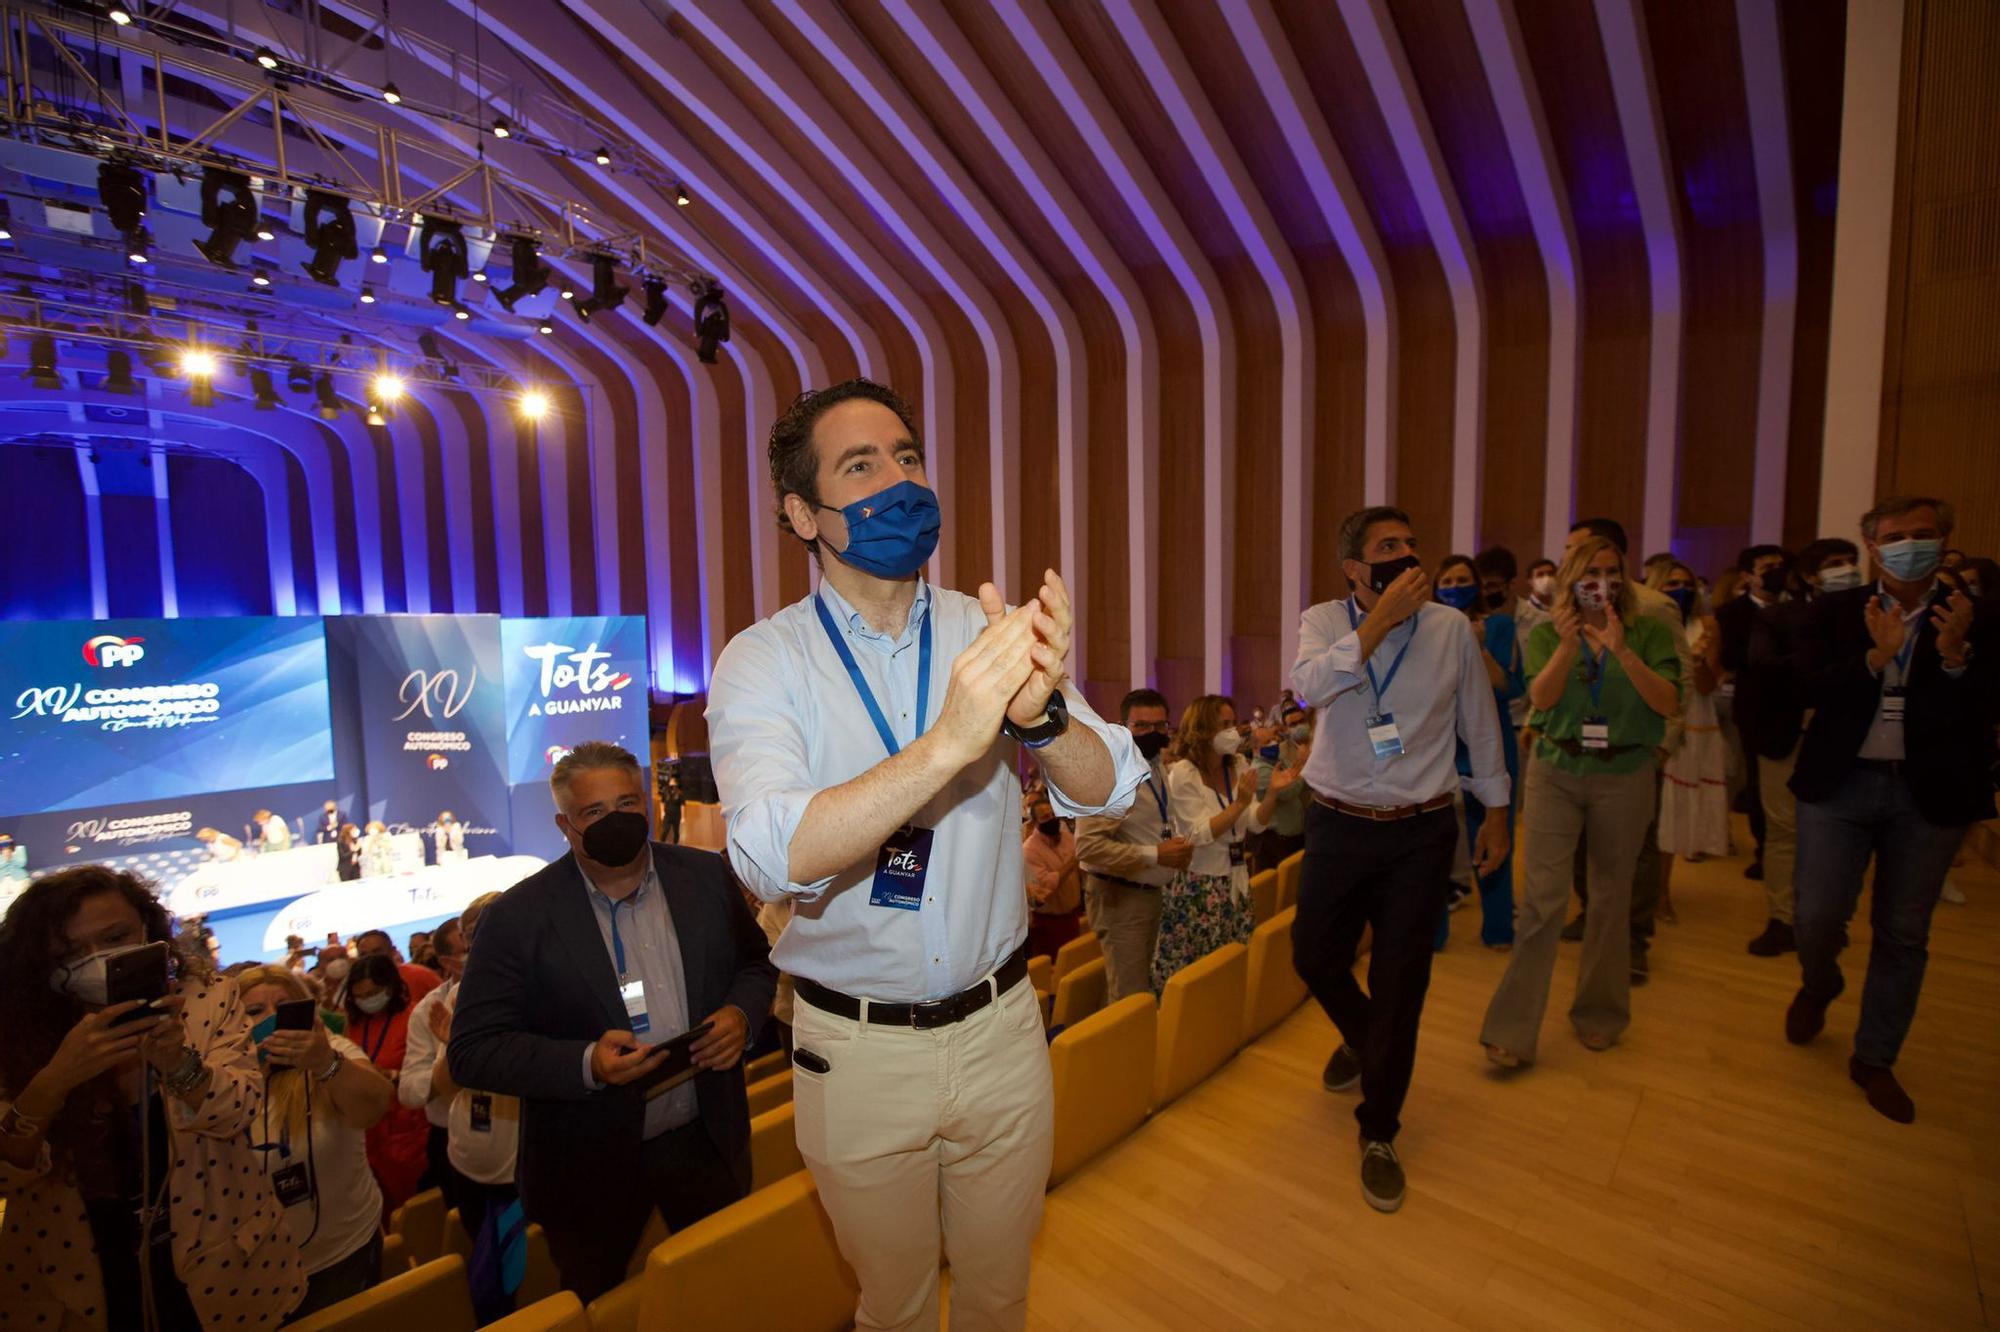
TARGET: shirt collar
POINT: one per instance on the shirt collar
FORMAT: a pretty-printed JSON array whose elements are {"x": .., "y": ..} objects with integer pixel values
[
  {"x": 647, "y": 882},
  {"x": 1923, "y": 603},
  {"x": 857, "y": 624}
]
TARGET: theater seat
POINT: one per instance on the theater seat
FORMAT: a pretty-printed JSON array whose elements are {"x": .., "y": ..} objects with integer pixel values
[
  {"x": 1288, "y": 879},
  {"x": 1264, "y": 895},
  {"x": 431, "y": 1298},
  {"x": 457, "y": 1239},
  {"x": 764, "y": 1066},
  {"x": 539, "y": 1279},
  {"x": 1103, "y": 1071},
  {"x": 1042, "y": 973},
  {"x": 769, "y": 1261},
  {"x": 1274, "y": 988},
  {"x": 1201, "y": 1021},
  {"x": 654, "y": 1235},
  {"x": 1080, "y": 993},
  {"x": 420, "y": 1222},
  {"x": 395, "y": 1257},
  {"x": 771, "y": 1093},
  {"x": 617, "y": 1309},
  {"x": 774, "y": 1147},
  {"x": 1075, "y": 953},
  {"x": 562, "y": 1312}
]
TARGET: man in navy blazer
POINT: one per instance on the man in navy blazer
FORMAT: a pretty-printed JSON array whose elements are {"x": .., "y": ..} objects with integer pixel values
[{"x": 584, "y": 971}]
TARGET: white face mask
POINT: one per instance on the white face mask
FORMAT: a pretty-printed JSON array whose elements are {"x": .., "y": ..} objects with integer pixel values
[
  {"x": 1840, "y": 579},
  {"x": 84, "y": 980},
  {"x": 337, "y": 969},
  {"x": 374, "y": 1003},
  {"x": 1228, "y": 742},
  {"x": 1544, "y": 586}
]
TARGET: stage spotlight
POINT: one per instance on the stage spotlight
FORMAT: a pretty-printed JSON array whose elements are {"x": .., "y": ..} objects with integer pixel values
[
  {"x": 266, "y": 392},
  {"x": 136, "y": 301},
  {"x": 266, "y": 57},
  {"x": 711, "y": 322},
  {"x": 392, "y": 94},
  {"x": 428, "y": 344},
  {"x": 501, "y": 129},
  {"x": 545, "y": 327},
  {"x": 605, "y": 292},
  {"x": 139, "y": 246},
  {"x": 118, "y": 373},
  {"x": 534, "y": 405},
  {"x": 388, "y": 388},
  {"x": 656, "y": 300},
  {"x": 298, "y": 378},
  {"x": 330, "y": 236},
  {"x": 531, "y": 276},
  {"x": 442, "y": 250},
  {"x": 681, "y": 199},
  {"x": 568, "y": 292},
  {"x": 260, "y": 276},
  {"x": 367, "y": 294},
  {"x": 460, "y": 312},
  {"x": 603, "y": 156},
  {"x": 480, "y": 276},
  {"x": 329, "y": 401},
  {"x": 267, "y": 230},
  {"x": 375, "y": 417},
  {"x": 120, "y": 15},
  {"x": 122, "y": 191},
  {"x": 42, "y": 362},
  {"x": 229, "y": 212},
  {"x": 378, "y": 255},
  {"x": 6, "y": 222},
  {"x": 197, "y": 363}
]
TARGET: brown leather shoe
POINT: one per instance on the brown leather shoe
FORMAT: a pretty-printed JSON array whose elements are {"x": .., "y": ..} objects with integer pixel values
[
  {"x": 1884, "y": 1092},
  {"x": 1806, "y": 1018}
]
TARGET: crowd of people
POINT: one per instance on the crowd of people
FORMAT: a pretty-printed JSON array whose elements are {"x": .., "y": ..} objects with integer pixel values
[{"x": 223, "y": 1150}]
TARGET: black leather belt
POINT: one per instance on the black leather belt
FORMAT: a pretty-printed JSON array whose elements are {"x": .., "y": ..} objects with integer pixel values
[
  {"x": 1575, "y": 749},
  {"x": 936, "y": 1013}
]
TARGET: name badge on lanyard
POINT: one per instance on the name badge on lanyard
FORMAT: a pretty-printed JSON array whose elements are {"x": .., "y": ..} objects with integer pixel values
[
  {"x": 482, "y": 1112},
  {"x": 633, "y": 993},
  {"x": 1595, "y": 733},
  {"x": 904, "y": 861},
  {"x": 1384, "y": 736},
  {"x": 901, "y": 868},
  {"x": 292, "y": 1184},
  {"x": 1893, "y": 697}
]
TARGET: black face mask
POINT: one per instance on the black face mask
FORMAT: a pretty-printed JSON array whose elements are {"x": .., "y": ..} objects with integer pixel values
[
  {"x": 1050, "y": 827},
  {"x": 617, "y": 838},
  {"x": 1151, "y": 746},
  {"x": 1495, "y": 600},
  {"x": 1772, "y": 581},
  {"x": 1384, "y": 572}
]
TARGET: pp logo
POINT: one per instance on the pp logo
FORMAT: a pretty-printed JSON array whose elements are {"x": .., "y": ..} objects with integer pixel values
[
  {"x": 438, "y": 762},
  {"x": 111, "y": 650},
  {"x": 555, "y": 754}
]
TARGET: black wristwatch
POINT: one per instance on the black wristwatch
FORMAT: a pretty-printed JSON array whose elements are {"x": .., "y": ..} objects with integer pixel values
[{"x": 1034, "y": 737}]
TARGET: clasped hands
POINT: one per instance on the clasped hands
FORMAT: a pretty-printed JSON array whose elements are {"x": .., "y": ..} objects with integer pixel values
[{"x": 1009, "y": 671}]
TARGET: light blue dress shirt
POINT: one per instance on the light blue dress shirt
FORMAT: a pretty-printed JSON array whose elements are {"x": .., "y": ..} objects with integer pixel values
[
  {"x": 1440, "y": 694},
  {"x": 785, "y": 723},
  {"x": 653, "y": 955}
]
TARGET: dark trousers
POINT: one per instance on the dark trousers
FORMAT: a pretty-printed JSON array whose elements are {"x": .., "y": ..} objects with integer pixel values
[
  {"x": 1753, "y": 798},
  {"x": 475, "y": 1200},
  {"x": 442, "y": 1175},
  {"x": 1359, "y": 873},
  {"x": 680, "y": 1172},
  {"x": 1645, "y": 877},
  {"x": 359, "y": 1271},
  {"x": 1872, "y": 814}
]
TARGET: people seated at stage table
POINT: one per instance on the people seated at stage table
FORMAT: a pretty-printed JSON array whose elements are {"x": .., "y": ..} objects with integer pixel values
[
  {"x": 330, "y": 823},
  {"x": 378, "y": 851},
  {"x": 347, "y": 854},
  {"x": 271, "y": 832},
  {"x": 448, "y": 838},
  {"x": 221, "y": 846}
]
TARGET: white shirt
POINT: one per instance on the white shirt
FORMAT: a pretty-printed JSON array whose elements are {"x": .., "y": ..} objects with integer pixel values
[
  {"x": 1884, "y": 741},
  {"x": 420, "y": 1056},
  {"x": 1194, "y": 802},
  {"x": 1440, "y": 694},
  {"x": 1128, "y": 847},
  {"x": 350, "y": 1202},
  {"x": 785, "y": 722},
  {"x": 277, "y": 834},
  {"x": 484, "y": 1156}
]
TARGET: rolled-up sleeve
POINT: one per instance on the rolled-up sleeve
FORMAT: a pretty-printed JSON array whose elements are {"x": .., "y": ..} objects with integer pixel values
[
  {"x": 1129, "y": 768},
  {"x": 1479, "y": 727},
  {"x": 758, "y": 750},
  {"x": 1329, "y": 661}
]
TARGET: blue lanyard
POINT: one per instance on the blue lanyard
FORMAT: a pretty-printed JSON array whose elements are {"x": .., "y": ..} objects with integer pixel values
[
  {"x": 1595, "y": 680},
  {"x": 1357, "y": 616},
  {"x": 1159, "y": 798},
  {"x": 618, "y": 944},
  {"x": 861, "y": 684}
]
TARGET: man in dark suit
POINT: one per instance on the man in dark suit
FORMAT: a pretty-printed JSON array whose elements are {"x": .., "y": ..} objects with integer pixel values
[
  {"x": 584, "y": 970},
  {"x": 1896, "y": 764},
  {"x": 1769, "y": 715}
]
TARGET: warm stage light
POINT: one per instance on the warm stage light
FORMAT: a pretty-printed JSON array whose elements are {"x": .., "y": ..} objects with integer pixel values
[
  {"x": 197, "y": 364},
  {"x": 534, "y": 405},
  {"x": 388, "y": 388}
]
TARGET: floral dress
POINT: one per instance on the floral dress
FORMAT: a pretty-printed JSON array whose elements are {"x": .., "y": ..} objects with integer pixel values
[{"x": 1208, "y": 903}]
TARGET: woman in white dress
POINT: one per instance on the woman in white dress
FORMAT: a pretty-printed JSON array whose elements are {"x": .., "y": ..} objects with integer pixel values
[
  {"x": 378, "y": 853},
  {"x": 1694, "y": 790}
]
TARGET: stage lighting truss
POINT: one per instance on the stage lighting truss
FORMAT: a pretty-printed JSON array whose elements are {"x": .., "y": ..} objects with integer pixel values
[{"x": 60, "y": 103}]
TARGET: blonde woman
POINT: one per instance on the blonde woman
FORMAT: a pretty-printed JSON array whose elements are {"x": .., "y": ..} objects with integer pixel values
[
  {"x": 1604, "y": 681},
  {"x": 378, "y": 853},
  {"x": 321, "y": 1096},
  {"x": 1212, "y": 798}
]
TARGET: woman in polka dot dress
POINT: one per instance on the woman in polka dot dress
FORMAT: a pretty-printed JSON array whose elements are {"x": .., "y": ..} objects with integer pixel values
[{"x": 84, "y": 1148}]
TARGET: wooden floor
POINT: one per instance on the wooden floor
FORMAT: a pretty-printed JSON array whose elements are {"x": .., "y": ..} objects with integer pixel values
[{"x": 1702, "y": 1174}]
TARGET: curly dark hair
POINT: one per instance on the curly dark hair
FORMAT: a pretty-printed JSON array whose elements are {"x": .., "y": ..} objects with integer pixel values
[
  {"x": 794, "y": 462},
  {"x": 377, "y": 969},
  {"x": 36, "y": 1016}
]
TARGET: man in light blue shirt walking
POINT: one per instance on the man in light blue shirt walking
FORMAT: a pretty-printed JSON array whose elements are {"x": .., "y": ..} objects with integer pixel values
[{"x": 860, "y": 740}]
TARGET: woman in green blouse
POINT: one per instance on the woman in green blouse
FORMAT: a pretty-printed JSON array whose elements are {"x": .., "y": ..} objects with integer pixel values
[{"x": 1603, "y": 683}]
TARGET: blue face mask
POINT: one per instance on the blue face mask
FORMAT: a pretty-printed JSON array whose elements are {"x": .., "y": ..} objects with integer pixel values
[
  {"x": 1269, "y": 753},
  {"x": 891, "y": 533},
  {"x": 1912, "y": 559},
  {"x": 1461, "y": 598},
  {"x": 262, "y": 1032},
  {"x": 1684, "y": 598}
]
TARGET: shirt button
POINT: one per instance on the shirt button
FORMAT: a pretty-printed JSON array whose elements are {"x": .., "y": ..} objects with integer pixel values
[{"x": 937, "y": 959}]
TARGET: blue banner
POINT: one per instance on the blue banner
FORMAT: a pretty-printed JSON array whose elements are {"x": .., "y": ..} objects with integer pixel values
[
  {"x": 430, "y": 706},
  {"x": 570, "y": 680}
]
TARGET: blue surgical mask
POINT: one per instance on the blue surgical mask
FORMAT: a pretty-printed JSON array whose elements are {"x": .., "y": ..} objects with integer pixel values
[
  {"x": 1684, "y": 598},
  {"x": 892, "y": 533},
  {"x": 1269, "y": 753},
  {"x": 1461, "y": 598},
  {"x": 1911, "y": 559}
]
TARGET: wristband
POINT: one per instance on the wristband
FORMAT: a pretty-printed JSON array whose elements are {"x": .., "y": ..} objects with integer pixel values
[
  {"x": 14, "y": 1124},
  {"x": 186, "y": 1074},
  {"x": 333, "y": 1067}
]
